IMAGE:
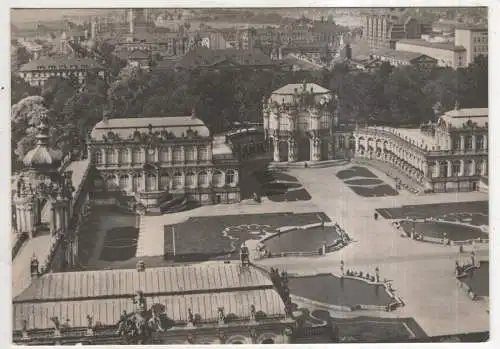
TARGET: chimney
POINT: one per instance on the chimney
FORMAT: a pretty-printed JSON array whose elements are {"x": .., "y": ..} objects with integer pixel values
[{"x": 131, "y": 20}]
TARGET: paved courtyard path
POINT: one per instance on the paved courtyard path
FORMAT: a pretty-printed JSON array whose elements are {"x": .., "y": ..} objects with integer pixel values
[{"x": 422, "y": 273}]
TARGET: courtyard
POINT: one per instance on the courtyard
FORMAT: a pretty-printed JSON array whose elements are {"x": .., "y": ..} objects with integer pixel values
[
  {"x": 201, "y": 238},
  {"x": 365, "y": 183}
]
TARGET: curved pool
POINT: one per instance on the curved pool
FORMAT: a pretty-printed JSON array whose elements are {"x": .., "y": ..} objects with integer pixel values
[{"x": 454, "y": 232}]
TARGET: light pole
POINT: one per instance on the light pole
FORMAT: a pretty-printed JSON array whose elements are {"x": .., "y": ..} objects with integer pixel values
[
  {"x": 342, "y": 267},
  {"x": 377, "y": 274}
]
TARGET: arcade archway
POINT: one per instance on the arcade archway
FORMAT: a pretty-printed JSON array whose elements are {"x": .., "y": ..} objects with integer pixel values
[{"x": 303, "y": 149}]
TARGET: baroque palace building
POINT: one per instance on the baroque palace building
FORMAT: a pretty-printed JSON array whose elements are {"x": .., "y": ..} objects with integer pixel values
[
  {"x": 160, "y": 158},
  {"x": 446, "y": 156},
  {"x": 300, "y": 121}
]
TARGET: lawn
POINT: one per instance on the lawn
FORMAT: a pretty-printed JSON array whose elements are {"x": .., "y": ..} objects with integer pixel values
[
  {"x": 329, "y": 289},
  {"x": 356, "y": 171},
  {"x": 307, "y": 240},
  {"x": 120, "y": 244},
  {"x": 473, "y": 212},
  {"x": 204, "y": 238},
  {"x": 280, "y": 187},
  {"x": 364, "y": 181},
  {"x": 376, "y": 191},
  {"x": 454, "y": 232},
  {"x": 372, "y": 329}
]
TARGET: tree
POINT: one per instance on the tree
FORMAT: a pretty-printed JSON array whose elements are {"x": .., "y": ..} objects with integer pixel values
[{"x": 20, "y": 89}]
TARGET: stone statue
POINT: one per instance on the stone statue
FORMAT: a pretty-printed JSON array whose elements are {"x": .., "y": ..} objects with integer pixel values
[
  {"x": 252, "y": 313},
  {"x": 24, "y": 330},
  {"x": 90, "y": 326},
  {"x": 140, "y": 300},
  {"x": 220, "y": 313},
  {"x": 57, "y": 325},
  {"x": 190, "y": 318}
]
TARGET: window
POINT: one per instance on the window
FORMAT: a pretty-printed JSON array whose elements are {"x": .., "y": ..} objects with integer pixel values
[
  {"x": 283, "y": 122},
  {"x": 190, "y": 152},
  {"x": 230, "y": 177},
  {"x": 469, "y": 168},
  {"x": 164, "y": 182},
  {"x": 178, "y": 180},
  {"x": 303, "y": 122},
  {"x": 138, "y": 183},
  {"x": 123, "y": 158},
  {"x": 218, "y": 179},
  {"x": 110, "y": 183},
  {"x": 150, "y": 182},
  {"x": 177, "y": 155},
  {"x": 455, "y": 168},
  {"x": 137, "y": 156},
  {"x": 443, "y": 168},
  {"x": 203, "y": 179},
  {"x": 190, "y": 180},
  {"x": 456, "y": 143},
  {"x": 479, "y": 142},
  {"x": 468, "y": 142},
  {"x": 150, "y": 154},
  {"x": 110, "y": 156},
  {"x": 98, "y": 157},
  {"x": 163, "y": 155},
  {"x": 203, "y": 153},
  {"x": 123, "y": 182}
]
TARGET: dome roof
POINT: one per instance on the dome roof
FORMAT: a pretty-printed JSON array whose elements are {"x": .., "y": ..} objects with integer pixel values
[{"x": 42, "y": 156}]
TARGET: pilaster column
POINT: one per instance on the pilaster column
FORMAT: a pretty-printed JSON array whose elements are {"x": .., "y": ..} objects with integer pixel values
[
  {"x": 18, "y": 219},
  {"x": 104, "y": 158},
  {"x": 144, "y": 178},
  {"x": 484, "y": 167},
  {"x": 425, "y": 169},
  {"x": 473, "y": 143},
  {"x": 157, "y": 153},
  {"x": 196, "y": 153},
  {"x": 291, "y": 150},
  {"x": 462, "y": 168},
  {"x": 129, "y": 155},
  {"x": 316, "y": 149},
  {"x": 183, "y": 154},
  {"x": 169, "y": 154},
  {"x": 144, "y": 155},
  {"x": 276, "y": 150},
  {"x": 448, "y": 162},
  {"x": 158, "y": 181},
  {"x": 130, "y": 182},
  {"x": 485, "y": 142},
  {"x": 117, "y": 156},
  {"x": 437, "y": 168},
  {"x": 472, "y": 170},
  {"x": 462, "y": 142}
]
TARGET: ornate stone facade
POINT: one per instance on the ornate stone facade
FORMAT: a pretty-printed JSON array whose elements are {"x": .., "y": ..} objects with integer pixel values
[
  {"x": 299, "y": 121},
  {"x": 449, "y": 155},
  {"x": 157, "y": 158}
]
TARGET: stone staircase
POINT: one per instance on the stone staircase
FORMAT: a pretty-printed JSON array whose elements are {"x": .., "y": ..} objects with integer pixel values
[{"x": 151, "y": 238}]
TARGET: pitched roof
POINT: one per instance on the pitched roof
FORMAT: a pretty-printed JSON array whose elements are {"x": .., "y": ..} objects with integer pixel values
[
  {"x": 400, "y": 55},
  {"x": 437, "y": 45},
  {"x": 290, "y": 89},
  {"x": 205, "y": 57},
  {"x": 125, "y": 127},
  {"x": 67, "y": 62},
  {"x": 105, "y": 294},
  {"x": 459, "y": 117}
]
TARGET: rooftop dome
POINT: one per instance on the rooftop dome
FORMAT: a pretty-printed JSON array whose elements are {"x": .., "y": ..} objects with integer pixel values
[{"x": 42, "y": 157}]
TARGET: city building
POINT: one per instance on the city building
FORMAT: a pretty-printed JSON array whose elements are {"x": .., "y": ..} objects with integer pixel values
[
  {"x": 384, "y": 29},
  {"x": 299, "y": 121},
  {"x": 137, "y": 58},
  {"x": 38, "y": 71},
  {"x": 446, "y": 54},
  {"x": 203, "y": 58},
  {"x": 404, "y": 58},
  {"x": 474, "y": 39},
  {"x": 212, "y": 303},
  {"x": 160, "y": 159},
  {"x": 447, "y": 156}
]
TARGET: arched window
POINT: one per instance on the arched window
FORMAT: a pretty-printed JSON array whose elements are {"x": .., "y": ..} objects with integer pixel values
[
  {"x": 230, "y": 177},
  {"x": 218, "y": 179},
  {"x": 163, "y": 156},
  {"x": 164, "y": 181},
  {"x": 123, "y": 158},
  {"x": 150, "y": 182},
  {"x": 456, "y": 142},
  {"x": 190, "y": 180},
  {"x": 111, "y": 183},
  {"x": 469, "y": 168},
  {"x": 203, "y": 153},
  {"x": 110, "y": 156},
  {"x": 468, "y": 142},
  {"x": 98, "y": 157},
  {"x": 137, "y": 156},
  {"x": 479, "y": 142},
  {"x": 203, "y": 179},
  {"x": 455, "y": 168},
  {"x": 124, "y": 182},
  {"x": 443, "y": 168},
  {"x": 190, "y": 154},
  {"x": 177, "y": 155},
  {"x": 138, "y": 183},
  {"x": 150, "y": 154},
  {"x": 178, "y": 180}
]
